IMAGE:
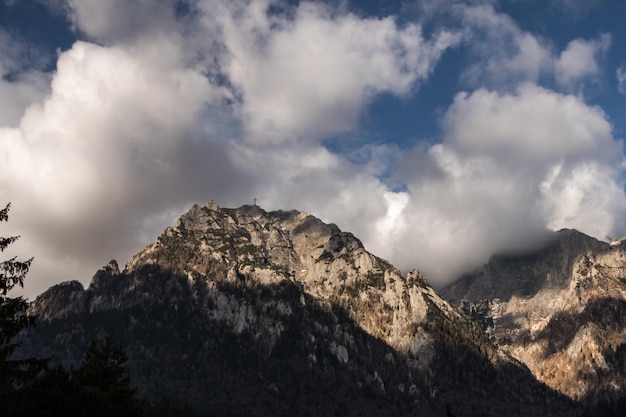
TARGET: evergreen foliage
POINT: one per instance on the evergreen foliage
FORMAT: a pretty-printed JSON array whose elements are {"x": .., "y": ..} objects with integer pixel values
[
  {"x": 14, "y": 318},
  {"x": 98, "y": 388},
  {"x": 104, "y": 387}
]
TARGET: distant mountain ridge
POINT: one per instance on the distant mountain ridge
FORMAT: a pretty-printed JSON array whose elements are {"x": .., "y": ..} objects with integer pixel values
[
  {"x": 560, "y": 310},
  {"x": 248, "y": 312}
]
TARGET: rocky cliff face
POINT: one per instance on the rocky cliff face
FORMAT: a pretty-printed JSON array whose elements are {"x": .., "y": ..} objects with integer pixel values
[
  {"x": 249, "y": 245},
  {"x": 560, "y": 310},
  {"x": 245, "y": 312}
]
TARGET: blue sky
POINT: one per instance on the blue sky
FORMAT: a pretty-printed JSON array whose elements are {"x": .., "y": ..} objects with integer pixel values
[{"x": 438, "y": 131}]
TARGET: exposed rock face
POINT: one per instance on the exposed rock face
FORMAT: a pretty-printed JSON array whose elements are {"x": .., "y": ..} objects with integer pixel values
[
  {"x": 561, "y": 311},
  {"x": 235, "y": 246},
  {"x": 245, "y": 312}
]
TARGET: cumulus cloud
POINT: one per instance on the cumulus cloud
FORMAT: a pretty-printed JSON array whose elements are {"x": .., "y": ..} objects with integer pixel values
[
  {"x": 166, "y": 103},
  {"x": 585, "y": 196},
  {"x": 504, "y": 54},
  {"x": 562, "y": 127},
  {"x": 580, "y": 61},
  {"x": 222, "y": 100},
  {"x": 311, "y": 75},
  {"x": 498, "y": 183},
  {"x": 515, "y": 163},
  {"x": 118, "y": 20},
  {"x": 107, "y": 152}
]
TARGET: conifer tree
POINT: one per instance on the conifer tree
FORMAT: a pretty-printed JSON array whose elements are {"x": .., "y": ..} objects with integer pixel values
[
  {"x": 99, "y": 387},
  {"x": 14, "y": 318},
  {"x": 104, "y": 383}
]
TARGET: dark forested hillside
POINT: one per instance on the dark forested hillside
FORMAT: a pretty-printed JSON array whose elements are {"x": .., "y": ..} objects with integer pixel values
[{"x": 243, "y": 313}]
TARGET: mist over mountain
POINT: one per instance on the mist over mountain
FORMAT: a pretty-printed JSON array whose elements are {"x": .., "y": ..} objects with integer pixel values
[{"x": 560, "y": 309}]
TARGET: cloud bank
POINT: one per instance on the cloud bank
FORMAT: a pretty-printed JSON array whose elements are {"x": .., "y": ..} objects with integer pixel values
[
  {"x": 510, "y": 167},
  {"x": 163, "y": 104}
]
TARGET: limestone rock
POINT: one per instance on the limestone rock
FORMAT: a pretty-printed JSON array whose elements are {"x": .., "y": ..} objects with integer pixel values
[
  {"x": 264, "y": 311},
  {"x": 560, "y": 310}
]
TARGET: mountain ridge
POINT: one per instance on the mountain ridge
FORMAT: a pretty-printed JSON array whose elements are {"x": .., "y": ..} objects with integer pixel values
[
  {"x": 226, "y": 306},
  {"x": 561, "y": 311}
]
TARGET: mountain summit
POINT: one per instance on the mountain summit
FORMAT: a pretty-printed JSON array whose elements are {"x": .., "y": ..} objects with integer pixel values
[
  {"x": 248, "y": 312},
  {"x": 560, "y": 310}
]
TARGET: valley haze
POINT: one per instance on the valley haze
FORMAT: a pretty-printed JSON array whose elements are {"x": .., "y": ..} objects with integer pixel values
[{"x": 439, "y": 132}]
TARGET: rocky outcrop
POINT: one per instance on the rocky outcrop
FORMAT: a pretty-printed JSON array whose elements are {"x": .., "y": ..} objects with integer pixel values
[
  {"x": 560, "y": 310},
  {"x": 248, "y": 312},
  {"x": 250, "y": 245}
]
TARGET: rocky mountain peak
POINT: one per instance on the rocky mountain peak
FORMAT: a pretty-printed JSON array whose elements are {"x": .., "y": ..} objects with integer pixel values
[
  {"x": 263, "y": 309},
  {"x": 252, "y": 245},
  {"x": 57, "y": 301},
  {"x": 560, "y": 310}
]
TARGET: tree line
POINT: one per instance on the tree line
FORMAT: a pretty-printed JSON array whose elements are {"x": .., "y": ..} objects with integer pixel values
[{"x": 31, "y": 387}]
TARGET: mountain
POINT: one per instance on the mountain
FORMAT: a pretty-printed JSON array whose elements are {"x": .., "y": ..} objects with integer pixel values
[
  {"x": 560, "y": 310},
  {"x": 243, "y": 312}
]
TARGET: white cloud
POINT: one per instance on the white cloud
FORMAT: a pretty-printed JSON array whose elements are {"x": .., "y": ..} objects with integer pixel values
[
  {"x": 229, "y": 102},
  {"x": 503, "y": 53},
  {"x": 505, "y": 56},
  {"x": 311, "y": 75},
  {"x": 170, "y": 111},
  {"x": 620, "y": 74},
  {"x": 498, "y": 183},
  {"x": 580, "y": 61},
  {"x": 487, "y": 122},
  {"x": 511, "y": 167},
  {"x": 107, "y": 151},
  {"x": 117, "y": 20},
  {"x": 587, "y": 196},
  {"x": 289, "y": 70},
  {"x": 567, "y": 153}
]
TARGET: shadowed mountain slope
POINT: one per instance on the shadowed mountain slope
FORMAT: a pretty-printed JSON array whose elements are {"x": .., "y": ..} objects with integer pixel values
[
  {"x": 247, "y": 312},
  {"x": 560, "y": 310}
]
